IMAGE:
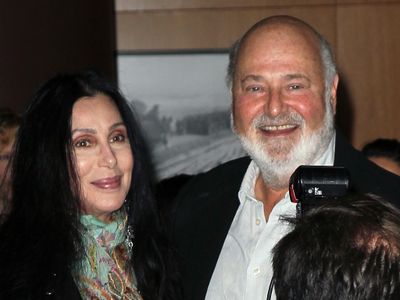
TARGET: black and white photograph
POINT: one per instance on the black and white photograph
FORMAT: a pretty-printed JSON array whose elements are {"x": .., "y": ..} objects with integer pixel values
[{"x": 183, "y": 104}]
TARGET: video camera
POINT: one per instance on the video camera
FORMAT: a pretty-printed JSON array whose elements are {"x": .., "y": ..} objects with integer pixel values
[{"x": 309, "y": 185}]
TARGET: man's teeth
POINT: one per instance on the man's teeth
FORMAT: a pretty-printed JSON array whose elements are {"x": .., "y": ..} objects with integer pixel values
[{"x": 278, "y": 127}]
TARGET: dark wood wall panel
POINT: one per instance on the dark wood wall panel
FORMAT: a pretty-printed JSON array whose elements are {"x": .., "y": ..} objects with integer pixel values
[
  {"x": 368, "y": 56},
  {"x": 207, "y": 28},
  {"x": 123, "y": 5}
]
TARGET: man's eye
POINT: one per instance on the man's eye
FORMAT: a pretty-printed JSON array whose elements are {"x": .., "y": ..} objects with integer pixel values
[
  {"x": 253, "y": 89},
  {"x": 295, "y": 87},
  {"x": 82, "y": 143}
]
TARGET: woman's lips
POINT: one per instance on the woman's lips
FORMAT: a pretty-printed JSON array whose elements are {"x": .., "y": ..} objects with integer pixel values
[{"x": 108, "y": 183}]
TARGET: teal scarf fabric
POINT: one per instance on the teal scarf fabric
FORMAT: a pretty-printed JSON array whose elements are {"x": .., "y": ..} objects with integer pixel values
[{"x": 105, "y": 271}]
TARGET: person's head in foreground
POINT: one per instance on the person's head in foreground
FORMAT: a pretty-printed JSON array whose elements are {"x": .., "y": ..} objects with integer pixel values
[
  {"x": 345, "y": 249},
  {"x": 82, "y": 199},
  {"x": 385, "y": 153}
]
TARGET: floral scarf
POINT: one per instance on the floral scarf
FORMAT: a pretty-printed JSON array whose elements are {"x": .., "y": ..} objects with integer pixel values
[{"x": 105, "y": 271}]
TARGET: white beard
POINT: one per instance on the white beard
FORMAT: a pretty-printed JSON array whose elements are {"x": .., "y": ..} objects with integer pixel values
[{"x": 277, "y": 160}]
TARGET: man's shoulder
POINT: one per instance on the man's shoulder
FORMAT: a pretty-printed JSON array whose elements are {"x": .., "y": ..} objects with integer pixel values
[
  {"x": 229, "y": 168},
  {"x": 218, "y": 184},
  {"x": 230, "y": 172}
]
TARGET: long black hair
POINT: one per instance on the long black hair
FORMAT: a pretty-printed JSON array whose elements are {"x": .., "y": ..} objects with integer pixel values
[{"x": 40, "y": 240}]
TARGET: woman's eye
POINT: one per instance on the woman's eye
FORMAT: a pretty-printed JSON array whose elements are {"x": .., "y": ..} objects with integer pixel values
[
  {"x": 118, "y": 138},
  {"x": 82, "y": 143}
]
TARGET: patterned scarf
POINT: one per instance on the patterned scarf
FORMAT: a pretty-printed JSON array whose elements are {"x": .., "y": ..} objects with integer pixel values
[{"x": 105, "y": 271}]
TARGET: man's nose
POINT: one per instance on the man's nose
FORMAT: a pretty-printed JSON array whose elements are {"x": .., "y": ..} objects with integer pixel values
[{"x": 274, "y": 103}]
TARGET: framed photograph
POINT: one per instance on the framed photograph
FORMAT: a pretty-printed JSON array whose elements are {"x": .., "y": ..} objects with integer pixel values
[{"x": 183, "y": 104}]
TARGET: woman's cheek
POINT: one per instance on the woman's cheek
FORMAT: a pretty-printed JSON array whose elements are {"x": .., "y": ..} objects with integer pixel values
[{"x": 84, "y": 166}]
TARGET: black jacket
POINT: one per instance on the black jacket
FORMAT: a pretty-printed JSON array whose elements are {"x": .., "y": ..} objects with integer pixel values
[{"x": 206, "y": 206}]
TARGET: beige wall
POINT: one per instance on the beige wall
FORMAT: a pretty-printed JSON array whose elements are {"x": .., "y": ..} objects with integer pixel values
[{"x": 364, "y": 35}]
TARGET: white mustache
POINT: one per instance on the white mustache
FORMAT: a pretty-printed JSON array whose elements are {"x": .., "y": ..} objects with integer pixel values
[{"x": 284, "y": 120}]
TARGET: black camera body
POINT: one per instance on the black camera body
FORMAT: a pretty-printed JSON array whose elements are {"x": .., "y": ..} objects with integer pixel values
[{"x": 310, "y": 185}]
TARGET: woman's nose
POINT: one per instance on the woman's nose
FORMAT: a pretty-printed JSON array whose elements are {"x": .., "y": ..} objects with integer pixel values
[{"x": 107, "y": 157}]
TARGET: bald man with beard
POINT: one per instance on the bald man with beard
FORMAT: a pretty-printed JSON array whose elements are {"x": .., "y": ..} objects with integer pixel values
[{"x": 283, "y": 81}]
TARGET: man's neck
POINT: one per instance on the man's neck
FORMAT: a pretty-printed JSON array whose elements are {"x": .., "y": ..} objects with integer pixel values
[{"x": 268, "y": 196}]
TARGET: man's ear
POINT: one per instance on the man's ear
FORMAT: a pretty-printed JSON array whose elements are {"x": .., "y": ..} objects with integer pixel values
[{"x": 333, "y": 92}]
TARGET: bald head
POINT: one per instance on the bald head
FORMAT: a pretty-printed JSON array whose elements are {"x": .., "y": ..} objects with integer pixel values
[
  {"x": 290, "y": 27},
  {"x": 282, "y": 22}
]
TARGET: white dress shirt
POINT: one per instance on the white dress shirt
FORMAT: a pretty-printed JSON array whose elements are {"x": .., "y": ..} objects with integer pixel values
[{"x": 244, "y": 269}]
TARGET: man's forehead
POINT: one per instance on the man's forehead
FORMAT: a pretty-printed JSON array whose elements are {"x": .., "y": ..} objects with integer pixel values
[
  {"x": 283, "y": 76},
  {"x": 298, "y": 33},
  {"x": 281, "y": 41}
]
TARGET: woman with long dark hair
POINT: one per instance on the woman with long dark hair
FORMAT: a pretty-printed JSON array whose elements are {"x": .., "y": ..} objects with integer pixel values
[{"x": 84, "y": 223}]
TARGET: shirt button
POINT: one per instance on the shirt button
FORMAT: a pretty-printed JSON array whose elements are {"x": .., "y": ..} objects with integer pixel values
[
  {"x": 258, "y": 222},
  {"x": 256, "y": 271}
]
